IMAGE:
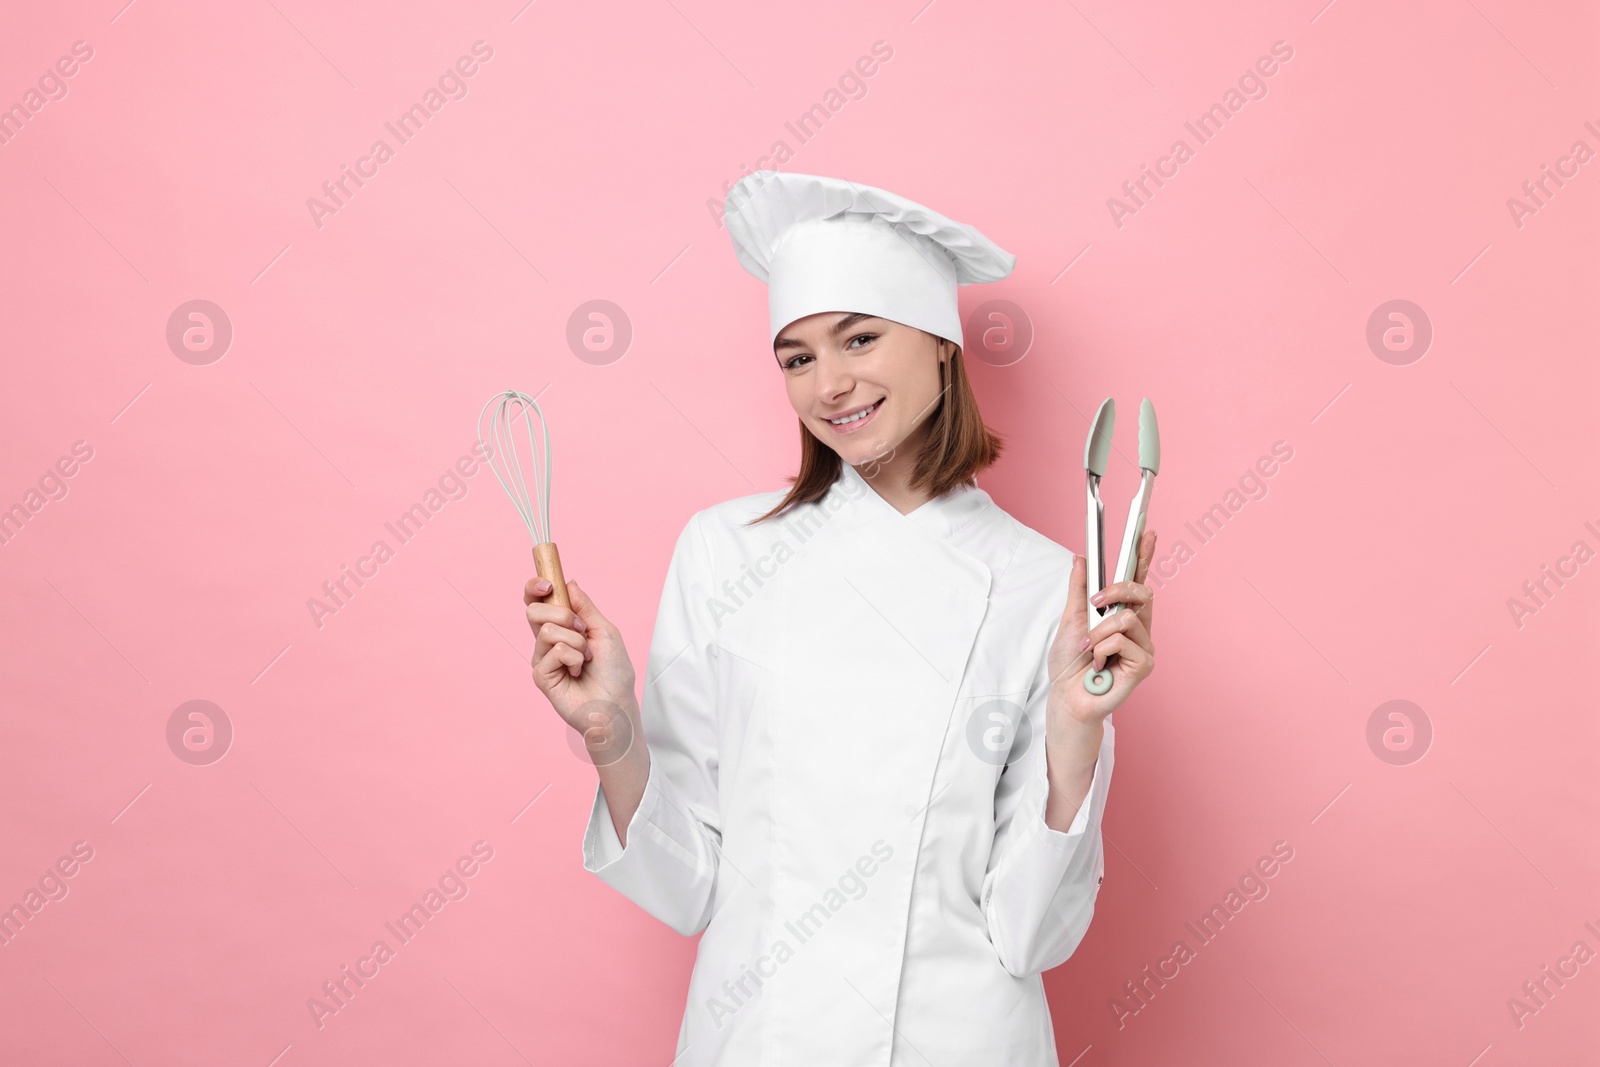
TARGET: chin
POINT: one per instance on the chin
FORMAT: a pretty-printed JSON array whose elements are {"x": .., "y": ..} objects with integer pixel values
[{"x": 860, "y": 453}]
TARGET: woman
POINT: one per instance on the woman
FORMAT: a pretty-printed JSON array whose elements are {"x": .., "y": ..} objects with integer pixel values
[{"x": 872, "y": 776}]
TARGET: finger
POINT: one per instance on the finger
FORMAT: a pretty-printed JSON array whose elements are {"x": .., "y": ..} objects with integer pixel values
[
  {"x": 1139, "y": 634},
  {"x": 1130, "y": 655},
  {"x": 1147, "y": 552},
  {"x": 550, "y": 633},
  {"x": 589, "y": 616},
  {"x": 1135, "y": 593},
  {"x": 549, "y": 669},
  {"x": 542, "y": 612},
  {"x": 1076, "y": 616},
  {"x": 536, "y": 593},
  {"x": 1132, "y": 627},
  {"x": 1121, "y": 622}
]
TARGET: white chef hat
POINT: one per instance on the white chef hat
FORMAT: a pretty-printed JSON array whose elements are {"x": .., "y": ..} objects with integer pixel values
[{"x": 826, "y": 244}]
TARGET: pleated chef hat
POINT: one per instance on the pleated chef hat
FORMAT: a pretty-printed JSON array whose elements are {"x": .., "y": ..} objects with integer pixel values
[{"x": 826, "y": 244}]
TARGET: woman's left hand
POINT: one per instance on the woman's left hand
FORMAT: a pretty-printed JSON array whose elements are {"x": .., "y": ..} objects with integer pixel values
[{"x": 1122, "y": 639}]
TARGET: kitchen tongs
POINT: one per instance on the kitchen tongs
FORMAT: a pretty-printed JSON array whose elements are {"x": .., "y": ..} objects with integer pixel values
[{"x": 1096, "y": 451}]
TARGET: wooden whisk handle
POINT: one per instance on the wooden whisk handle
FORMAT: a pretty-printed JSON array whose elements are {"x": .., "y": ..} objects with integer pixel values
[{"x": 548, "y": 563}]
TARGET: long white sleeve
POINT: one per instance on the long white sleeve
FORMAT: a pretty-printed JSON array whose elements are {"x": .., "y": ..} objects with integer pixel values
[
  {"x": 670, "y": 864},
  {"x": 1040, "y": 884}
]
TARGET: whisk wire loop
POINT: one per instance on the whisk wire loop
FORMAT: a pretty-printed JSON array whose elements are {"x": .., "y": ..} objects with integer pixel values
[{"x": 506, "y": 464}]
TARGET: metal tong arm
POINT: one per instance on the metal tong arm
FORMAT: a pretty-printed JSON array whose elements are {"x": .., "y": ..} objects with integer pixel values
[
  {"x": 1128, "y": 554},
  {"x": 1094, "y": 544}
]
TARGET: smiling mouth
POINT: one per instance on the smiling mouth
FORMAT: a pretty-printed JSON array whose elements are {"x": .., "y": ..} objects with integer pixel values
[{"x": 851, "y": 423}]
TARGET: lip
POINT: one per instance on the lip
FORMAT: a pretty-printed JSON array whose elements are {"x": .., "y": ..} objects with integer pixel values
[{"x": 876, "y": 405}]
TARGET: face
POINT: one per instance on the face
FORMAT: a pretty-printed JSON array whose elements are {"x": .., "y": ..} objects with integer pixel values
[{"x": 838, "y": 364}]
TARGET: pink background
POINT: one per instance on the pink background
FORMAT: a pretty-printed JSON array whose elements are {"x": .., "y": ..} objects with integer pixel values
[{"x": 369, "y": 754}]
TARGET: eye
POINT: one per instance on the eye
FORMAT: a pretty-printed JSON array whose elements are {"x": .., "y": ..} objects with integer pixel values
[
  {"x": 794, "y": 361},
  {"x": 867, "y": 337}
]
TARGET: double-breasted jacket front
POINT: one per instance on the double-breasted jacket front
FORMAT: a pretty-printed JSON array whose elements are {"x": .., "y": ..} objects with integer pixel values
[{"x": 845, "y": 713}]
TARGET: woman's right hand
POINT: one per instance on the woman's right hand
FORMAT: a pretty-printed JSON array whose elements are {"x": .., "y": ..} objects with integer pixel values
[{"x": 580, "y": 664}]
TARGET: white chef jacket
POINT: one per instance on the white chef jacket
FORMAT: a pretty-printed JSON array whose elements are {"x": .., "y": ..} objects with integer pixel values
[{"x": 845, "y": 713}]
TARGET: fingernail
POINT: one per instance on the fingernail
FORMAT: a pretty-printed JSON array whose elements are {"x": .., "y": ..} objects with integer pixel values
[
  {"x": 542, "y": 585},
  {"x": 1098, "y": 598},
  {"x": 1083, "y": 644},
  {"x": 578, "y": 625}
]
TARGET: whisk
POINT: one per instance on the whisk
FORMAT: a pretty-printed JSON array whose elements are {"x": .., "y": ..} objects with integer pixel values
[{"x": 507, "y": 468}]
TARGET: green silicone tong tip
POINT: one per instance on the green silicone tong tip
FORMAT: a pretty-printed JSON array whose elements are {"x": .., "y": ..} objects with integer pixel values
[
  {"x": 1097, "y": 450},
  {"x": 1149, "y": 438}
]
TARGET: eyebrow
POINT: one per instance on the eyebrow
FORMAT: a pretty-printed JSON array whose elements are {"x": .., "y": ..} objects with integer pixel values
[{"x": 833, "y": 331}]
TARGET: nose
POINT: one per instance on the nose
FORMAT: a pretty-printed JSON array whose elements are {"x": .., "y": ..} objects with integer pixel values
[{"x": 833, "y": 378}]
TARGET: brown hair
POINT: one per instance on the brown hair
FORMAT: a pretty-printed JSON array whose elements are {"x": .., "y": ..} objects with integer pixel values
[{"x": 958, "y": 446}]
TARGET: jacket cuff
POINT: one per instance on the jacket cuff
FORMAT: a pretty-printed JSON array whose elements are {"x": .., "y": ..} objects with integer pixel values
[
  {"x": 662, "y": 834},
  {"x": 669, "y": 866},
  {"x": 601, "y": 846}
]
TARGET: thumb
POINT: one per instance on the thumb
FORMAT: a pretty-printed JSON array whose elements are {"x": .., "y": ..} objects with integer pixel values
[
  {"x": 584, "y": 607},
  {"x": 1075, "y": 620}
]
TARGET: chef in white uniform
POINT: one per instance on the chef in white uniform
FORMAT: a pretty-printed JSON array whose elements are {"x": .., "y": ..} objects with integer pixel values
[{"x": 871, "y": 777}]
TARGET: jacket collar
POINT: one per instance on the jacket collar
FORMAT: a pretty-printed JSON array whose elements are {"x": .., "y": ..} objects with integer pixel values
[{"x": 942, "y": 516}]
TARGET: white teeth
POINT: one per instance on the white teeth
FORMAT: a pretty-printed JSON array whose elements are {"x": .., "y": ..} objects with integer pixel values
[{"x": 852, "y": 418}]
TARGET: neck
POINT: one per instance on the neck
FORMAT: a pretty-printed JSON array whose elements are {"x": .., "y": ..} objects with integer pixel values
[
  {"x": 891, "y": 479},
  {"x": 890, "y": 476}
]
